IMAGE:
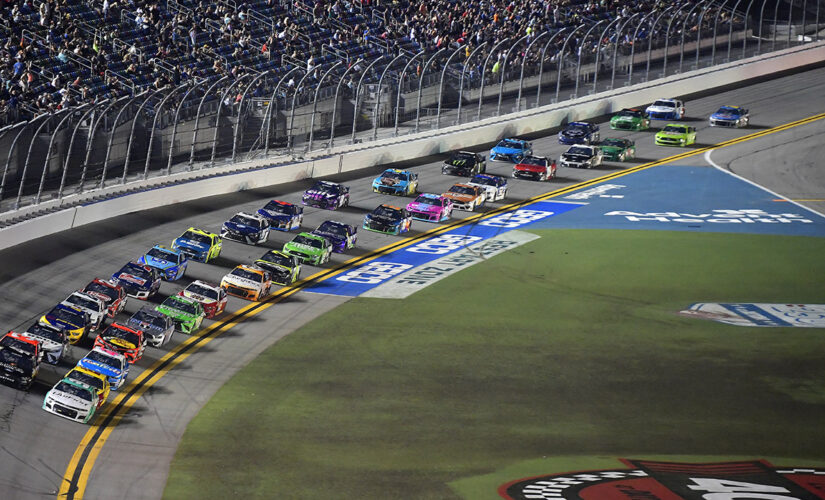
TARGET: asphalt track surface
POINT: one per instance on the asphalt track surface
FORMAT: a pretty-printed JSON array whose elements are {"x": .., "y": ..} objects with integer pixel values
[{"x": 36, "y": 447}]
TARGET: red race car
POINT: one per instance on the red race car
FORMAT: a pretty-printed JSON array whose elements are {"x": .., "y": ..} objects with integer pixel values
[
  {"x": 537, "y": 168},
  {"x": 124, "y": 340},
  {"x": 112, "y": 295},
  {"x": 212, "y": 297},
  {"x": 22, "y": 344}
]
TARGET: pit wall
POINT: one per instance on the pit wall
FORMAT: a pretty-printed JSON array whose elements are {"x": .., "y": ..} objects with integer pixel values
[{"x": 187, "y": 186}]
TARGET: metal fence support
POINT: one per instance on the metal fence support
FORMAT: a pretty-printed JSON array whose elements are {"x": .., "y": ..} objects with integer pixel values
[
  {"x": 335, "y": 103},
  {"x": 804, "y": 20},
  {"x": 775, "y": 23},
  {"x": 112, "y": 136},
  {"x": 684, "y": 29},
  {"x": 523, "y": 61},
  {"x": 667, "y": 42},
  {"x": 761, "y": 22},
  {"x": 315, "y": 102},
  {"x": 290, "y": 137},
  {"x": 71, "y": 146},
  {"x": 218, "y": 118},
  {"x": 650, "y": 41},
  {"x": 484, "y": 75},
  {"x": 541, "y": 64},
  {"x": 745, "y": 38},
  {"x": 273, "y": 104},
  {"x": 421, "y": 85},
  {"x": 49, "y": 150},
  {"x": 401, "y": 85},
  {"x": 197, "y": 120},
  {"x": 91, "y": 139},
  {"x": 503, "y": 70},
  {"x": 699, "y": 30},
  {"x": 132, "y": 133},
  {"x": 616, "y": 50},
  {"x": 158, "y": 112},
  {"x": 599, "y": 50},
  {"x": 730, "y": 27},
  {"x": 816, "y": 34},
  {"x": 790, "y": 13},
  {"x": 358, "y": 95},
  {"x": 378, "y": 96},
  {"x": 175, "y": 123},
  {"x": 48, "y": 117},
  {"x": 579, "y": 59},
  {"x": 25, "y": 125},
  {"x": 237, "y": 121},
  {"x": 441, "y": 84},
  {"x": 633, "y": 45},
  {"x": 560, "y": 63},
  {"x": 461, "y": 79}
]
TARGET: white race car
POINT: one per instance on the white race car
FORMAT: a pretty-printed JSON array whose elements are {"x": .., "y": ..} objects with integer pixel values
[
  {"x": 90, "y": 304},
  {"x": 71, "y": 400},
  {"x": 495, "y": 187},
  {"x": 666, "y": 109}
]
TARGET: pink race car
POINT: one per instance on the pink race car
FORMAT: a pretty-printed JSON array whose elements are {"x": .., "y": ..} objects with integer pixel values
[{"x": 431, "y": 208}]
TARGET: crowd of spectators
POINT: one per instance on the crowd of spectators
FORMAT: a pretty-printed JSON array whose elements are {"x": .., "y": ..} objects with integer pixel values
[{"x": 55, "y": 54}]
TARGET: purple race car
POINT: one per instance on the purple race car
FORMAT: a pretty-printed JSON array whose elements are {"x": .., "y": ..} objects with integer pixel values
[
  {"x": 328, "y": 195},
  {"x": 342, "y": 236},
  {"x": 430, "y": 208}
]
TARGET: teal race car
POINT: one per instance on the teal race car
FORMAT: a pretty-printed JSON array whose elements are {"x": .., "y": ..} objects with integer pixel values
[
  {"x": 309, "y": 248},
  {"x": 618, "y": 149},
  {"x": 185, "y": 313}
]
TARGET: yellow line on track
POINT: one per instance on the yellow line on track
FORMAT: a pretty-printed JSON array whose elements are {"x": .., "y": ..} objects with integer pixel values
[{"x": 73, "y": 484}]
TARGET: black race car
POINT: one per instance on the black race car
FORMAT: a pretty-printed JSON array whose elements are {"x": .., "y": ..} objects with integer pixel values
[
  {"x": 464, "y": 163},
  {"x": 18, "y": 369}
]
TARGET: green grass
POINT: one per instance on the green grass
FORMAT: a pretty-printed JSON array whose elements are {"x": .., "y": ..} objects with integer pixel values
[{"x": 573, "y": 349}]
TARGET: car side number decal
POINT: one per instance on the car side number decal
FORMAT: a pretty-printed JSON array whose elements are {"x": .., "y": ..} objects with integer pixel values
[{"x": 374, "y": 272}]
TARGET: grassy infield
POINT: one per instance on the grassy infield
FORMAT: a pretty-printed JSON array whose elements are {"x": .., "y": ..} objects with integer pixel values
[{"x": 571, "y": 356}]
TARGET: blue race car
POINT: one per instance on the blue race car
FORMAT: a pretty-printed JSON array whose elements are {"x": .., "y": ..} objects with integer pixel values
[
  {"x": 388, "y": 219},
  {"x": 512, "y": 150},
  {"x": 328, "y": 195},
  {"x": 251, "y": 229},
  {"x": 108, "y": 363},
  {"x": 395, "y": 181},
  {"x": 342, "y": 236},
  {"x": 171, "y": 264},
  {"x": 282, "y": 215},
  {"x": 579, "y": 133},
  {"x": 730, "y": 116},
  {"x": 138, "y": 280}
]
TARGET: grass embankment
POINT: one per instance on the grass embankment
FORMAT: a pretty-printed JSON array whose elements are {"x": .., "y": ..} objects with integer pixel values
[{"x": 567, "y": 346}]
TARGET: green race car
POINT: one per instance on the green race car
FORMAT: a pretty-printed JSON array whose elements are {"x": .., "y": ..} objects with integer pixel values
[
  {"x": 283, "y": 268},
  {"x": 618, "y": 149},
  {"x": 630, "y": 119},
  {"x": 185, "y": 313},
  {"x": 676, "y": 134},
  {"x": 309, "y": 248}
]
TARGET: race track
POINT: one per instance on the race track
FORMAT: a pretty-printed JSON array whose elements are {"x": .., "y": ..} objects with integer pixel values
[{"x": 36, "y": 446}]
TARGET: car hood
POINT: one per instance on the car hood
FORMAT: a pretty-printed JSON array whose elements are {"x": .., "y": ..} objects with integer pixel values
[
  {"x": 239, "y": 281},
  {"x": 277, "y": 216},
  {"x": 143, "y": 326},
  {"x": 573, "y": 132},
  {"x": 102, "y": 296},
  {"x": 460, "y": 197},
  {"x": 661, "y": 109},
  {"x": 158, "y": 263},
  {"x": 389, "y": 181},
  {"x": 423, "y": 207},
  {"x": 60, "y": 323},
  {"x": 575, "y": 157},
  {"x": 624, "y": 118},
  {"x": 668, "y": 133},
  {"x": 329, "y": 236},
  {"x": 724, "y": 116},
  {"x": 118, "y": 342},
  {"x": 46, "y": 343},
  {"x": 131, "y": 279},
  {"x": 69, "y": 400},
  {"x": 96, "y": 366},
  {"x": 318, "y": 195},
  {"x": 529, "y": 168},
  {"x": 240, "y": 228},
  {"x": 507, "y": 151},
  {"x": 383, "y": 220},
  {"x": 191, "y": 244},
  {"x": 199, "y": 298}
]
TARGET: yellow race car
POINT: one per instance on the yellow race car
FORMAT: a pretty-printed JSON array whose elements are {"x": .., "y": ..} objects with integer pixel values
[
  {"x": 198, "y": 244},
  {"x": 94, "y": 381}
]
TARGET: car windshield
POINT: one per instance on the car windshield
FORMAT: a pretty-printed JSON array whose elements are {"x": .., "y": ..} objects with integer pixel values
[
  {"x": 728, "y": 110},
  {"x": 535, "y": 160},
  {"x": 18, "y": 345},
  {"x": 332, "y": 228},
  {"x": 576, "y": 150},
  {"x": 68, "y": 316},
  {"x": 631, "y": 113},
  {"x": 104, "y": 359},
  {"x": 665, "y": 104},
  {"x": 9, "y": 357},
  {"x": 614, "y": 142},
  {"x": 85, "y": 378},
  {"x": 398, "y": 176},
  {"x": 180, "y": 305},
  {"x": 510, "y": 144},
  {"x": 243, "y": 273},
  {"x": 73, "y": 390},
  {"x": 150, "y": 317},
  {"x": 463, "y": 190},
  {"x": 486, "y": 181},
  {"x": 326, "y": 186},
  {"x": 427, "y": 200},
  {"x": 674, "y": 128},
  {"x": 577, "y": 126},
  {"x": 46, "y": 333},
  {"x": 200, "y": 238},
  {"x": 277, "y": 258},
  {"x": 462, "y": 159},
  {"x": 392, "y": 213},
  {"x": 305, "y": 240},
  {"x": 202, "y": 290},
  {"x": 81, "y": 301},
  {"x": 101, "y": 289},
  {"x": 137, "y": 270},
  {"x": 279, "y": 208},
  {"x": 120, "y": 333},
  {"x": 243, "y": 219},
  {"x": 160, "y": 253}
]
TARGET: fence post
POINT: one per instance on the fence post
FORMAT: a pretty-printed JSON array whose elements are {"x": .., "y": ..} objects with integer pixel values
[
  {"x": 48, "y": 117},
  {"x": 218, "y": 118},
  {"x": 111, "y": 139},
  {"x": 633, "y": 46},
  {"x": 541, "y": 64},
  {"x": 504, "y": 70},
  {"x": 684, "y": 27},
  {"x": 599, "y": 50},
  {"x": 441, "y": 85},
  {"x": 49, "y": 150},
  {"x": 484, "y": 75},
  {"x": 158, "y": 111},
  {"x": 421, "y": 84},
  {"x": 11, "y": 152},
  {"x": 71, "y": 146},
  {"x": 175, "y": 125},
  {"x": 699, "y": 31},
  {"x": 238, "y": 120},
  {"x": 377, "y": 99},
  {"x": 560, "y": 63},
  {"x": 616, "y": 50},
  {"x": 730, "y": 26},
  {"x": 521, "y": 74},
  {"x": 650, "y": 41},
  {"x": 91, "y": 139},
  {"x": 273, "y": 103},
  {"x": 461, "y": 80},
  {"x": 335, "y": 102},
  {"x": 197, "y": 120},
  {"x": 401, "y": 85},
  {"x": 290, "y": 136},
  {"x": 761, "y": 22},
  {"x": 315, "y": 102},
  {"x": 358, "y": 95}
]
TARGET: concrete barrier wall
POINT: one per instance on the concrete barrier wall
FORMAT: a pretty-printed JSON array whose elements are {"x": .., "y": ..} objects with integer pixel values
[{"x": 268, "y": 172}]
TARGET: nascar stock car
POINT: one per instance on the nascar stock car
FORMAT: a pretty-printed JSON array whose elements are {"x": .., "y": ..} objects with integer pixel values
[
  {"x": 17, "y": 369},
  {"x": 618, "y": 149},
  {"x": 130, "y": 342},
  {"x": 53, "y": 341},
  {"x": 284, "y": 269},
  {"x": 22, "y": 344},
  {"x": 666, "y": 109},
  {"x": 388, "y": 219},
  {"x": 730, "y": 116},
  {"x": 495, "y": 187},
  {"x": 138, "y": 280},
  {"x": 282, "y": 215},
  {"x": 247, "y": 282},
  {"x": 342, "y": 236},
  {"x": 187, "y": 314},
  {"x": 71, "y": 400},
  {"x": 579, "y": 133},
  {"x": 171, "y": 264},
  {"x": 464, "y": 163},
  {"x": 630, "y": 119},
  {"x": 511, "y": 149},
  {"x": 157, "y": 327},
  {"x": 430, "y": 208},
  {"x": 198, "y": 244},
  {"x": 676, "y": 134},
  {"x": 88, "y": 304},
  {"x": 71, "y": 320},
  {"x": 536, "y": 168},
  {"x": 465, "y": 196},
  {"x": 252, "y": 229},
  {"x": 582, "y": 157},
  {"x": 112, "y": 295},
  {"x": 309, "y": 248},
  {"x": 211, "y": 297},
  {"x": 326, "y": 194},
  {"x": 108, "y": 363},
  {"x": 397, "y": 182},
  {"x": 94, "y": 381}
]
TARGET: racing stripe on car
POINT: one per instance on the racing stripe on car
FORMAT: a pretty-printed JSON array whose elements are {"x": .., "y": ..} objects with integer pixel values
[{"x": 79, "y": 469}]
